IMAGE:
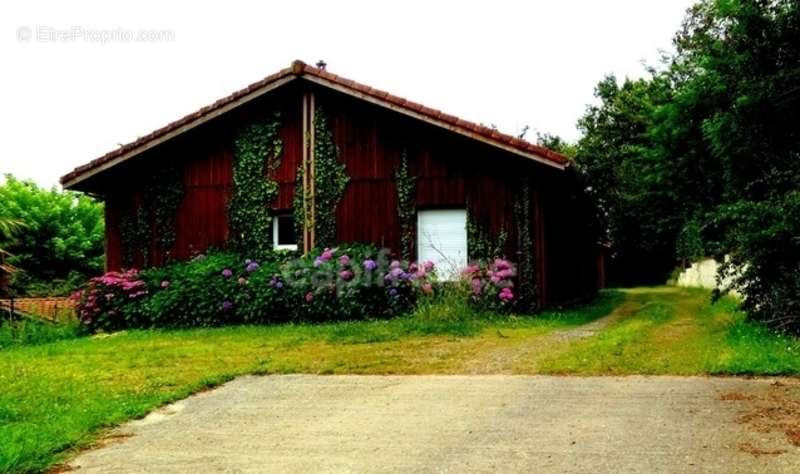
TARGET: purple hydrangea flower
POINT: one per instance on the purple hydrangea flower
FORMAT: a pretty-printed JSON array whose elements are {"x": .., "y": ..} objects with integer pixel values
[
  {"x": 370, "y": 264},
  {"x": 227, "y": 305},
  {"x": 165, "y": 284},
  {"x": 251, "y": 267},
  {"x": 227, "y": 273},
  {"x": 394, "y": 264},
  {"x": 279, "y": 285},
  {"x": 344, "y": 260},
  {"x": 346, "y": 275},
  {"x": 393, "y": 292}
]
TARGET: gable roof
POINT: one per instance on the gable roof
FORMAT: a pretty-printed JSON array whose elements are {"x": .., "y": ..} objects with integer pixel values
[{"x": 300, "y": 70}]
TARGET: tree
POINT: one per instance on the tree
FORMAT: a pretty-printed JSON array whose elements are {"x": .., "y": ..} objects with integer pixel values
[
  {"x": 62, "y": 239},
  {"x": 557, "y": 144},
  {"x": 630, "y": 184},
  {"x": 703, "y": 157},
  {"x": 8, "y": 229},
  {"x": 740, "y": 60}
]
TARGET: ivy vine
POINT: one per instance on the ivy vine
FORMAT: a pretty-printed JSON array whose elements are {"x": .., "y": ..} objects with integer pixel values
[
  {"x": 330, "y": 181},
  {"x": 257, "y": 153},
  {"x": 406, "y": 206},
  {"x": 526, "y": 265},
  {"x": 135, "y": 235},
  {"x": 480, "y": 244},
  {"x": 163, "y": 197},
  {"x": 151, "y": 223}
]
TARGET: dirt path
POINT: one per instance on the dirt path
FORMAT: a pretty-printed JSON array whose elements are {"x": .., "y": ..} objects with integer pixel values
[
  {"x": 309, "y": 423},
  {"x": 506, "y": 357}
]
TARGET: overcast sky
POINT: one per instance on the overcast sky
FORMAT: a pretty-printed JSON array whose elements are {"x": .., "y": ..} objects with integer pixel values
[{"x": 79, "y": 78}]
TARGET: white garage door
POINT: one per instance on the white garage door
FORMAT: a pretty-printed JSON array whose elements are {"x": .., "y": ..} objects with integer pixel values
[{"x": 442, "y": 239}]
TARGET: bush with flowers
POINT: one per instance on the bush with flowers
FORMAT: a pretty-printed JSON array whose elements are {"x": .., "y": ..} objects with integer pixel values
[
  {"x": 351, "y": 282},
  {"x": 491, "y": 284},
  {"x": 109, "y": 302},
  {"x": 347, "y": 282}
]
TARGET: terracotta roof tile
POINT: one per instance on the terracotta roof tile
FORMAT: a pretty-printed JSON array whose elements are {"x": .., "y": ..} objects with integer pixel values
[{"x": 298, "y": 68}]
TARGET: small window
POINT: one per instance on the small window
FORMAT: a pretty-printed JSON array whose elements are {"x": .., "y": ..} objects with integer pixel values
[{"x": 283, "y": 236}]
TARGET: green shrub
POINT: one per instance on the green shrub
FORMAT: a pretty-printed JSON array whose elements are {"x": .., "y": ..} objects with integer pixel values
[
  {"x": 29, "y": 332},
  {"x": 348, "y": 282}
]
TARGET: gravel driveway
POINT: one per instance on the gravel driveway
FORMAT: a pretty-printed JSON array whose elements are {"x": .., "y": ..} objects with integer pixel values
[{"x": 306, "y": 423}]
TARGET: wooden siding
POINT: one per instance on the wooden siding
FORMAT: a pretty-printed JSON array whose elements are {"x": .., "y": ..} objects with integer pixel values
[{"x": 452, "y": 171}]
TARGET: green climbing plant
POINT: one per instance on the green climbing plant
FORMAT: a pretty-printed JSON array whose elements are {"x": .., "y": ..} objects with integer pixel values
[
  {"x": 526, "y": 264},
  {"x": 152, "y": 220},
  {"x": 257, "y": 153},
  {"x": 162, "y": 198},
  {"x": 481, "y": 245},
  {"x": 330, "y": 181},
  {"x": 406, "y": 206}
]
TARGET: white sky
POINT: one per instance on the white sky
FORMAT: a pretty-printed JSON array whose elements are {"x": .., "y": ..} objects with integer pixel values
[{"x": 65, "y": 102}]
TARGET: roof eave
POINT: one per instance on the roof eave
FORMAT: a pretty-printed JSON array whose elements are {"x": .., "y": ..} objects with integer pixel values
[
  {"x": 71, "y": 181},
  {"x": 425, "y": 118},
  {"x": 296, "y": 71}
]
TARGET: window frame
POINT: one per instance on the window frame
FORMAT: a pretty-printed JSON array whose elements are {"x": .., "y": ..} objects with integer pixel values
[{"x": 276, "y": 232}]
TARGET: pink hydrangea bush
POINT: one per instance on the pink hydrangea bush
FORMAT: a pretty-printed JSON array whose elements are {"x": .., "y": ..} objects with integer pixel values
[
  {"x": 106, "y": 302},
  {"x": 491, "y": 285}
]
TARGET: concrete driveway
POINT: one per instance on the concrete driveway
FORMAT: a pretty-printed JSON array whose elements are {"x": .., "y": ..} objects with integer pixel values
[{"x": 306, "y": 423}]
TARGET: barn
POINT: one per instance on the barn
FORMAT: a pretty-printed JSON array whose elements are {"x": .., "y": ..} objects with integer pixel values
[{"x": 337, "y": 161}]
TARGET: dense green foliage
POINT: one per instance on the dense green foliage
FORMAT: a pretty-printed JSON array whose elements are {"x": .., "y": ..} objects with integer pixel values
[
  {"x": 257, "y": 153},
  {"x": 60, "y": 242},
  {"x": 626, "y": 180},
  {"x": 702, "y": 158},
  {"x": 349, "y": 282}
]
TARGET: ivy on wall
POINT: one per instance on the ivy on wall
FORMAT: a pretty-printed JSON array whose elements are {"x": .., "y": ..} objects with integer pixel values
[
  {"x": 526, "y": 264},
  {"x": 163, "y": 198},
  {"x": 406, "y": 206},
  {"x": 330, "y": 181},
  {"x": 481, "y": 246},
  {"x": 151, "y": 223},
  {"x": 257, "y": 153},
  {"x": 135, "y": 235}
]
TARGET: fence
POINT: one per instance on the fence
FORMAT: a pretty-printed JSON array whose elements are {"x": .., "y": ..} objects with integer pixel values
[{"x": 52, "y": 309}]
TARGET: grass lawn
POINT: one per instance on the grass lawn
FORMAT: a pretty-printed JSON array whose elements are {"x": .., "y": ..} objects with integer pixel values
[{"x": 59, "y": 396}]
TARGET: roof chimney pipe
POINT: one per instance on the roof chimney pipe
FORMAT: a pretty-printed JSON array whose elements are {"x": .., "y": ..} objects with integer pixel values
[{"x": 321, "y": 64}]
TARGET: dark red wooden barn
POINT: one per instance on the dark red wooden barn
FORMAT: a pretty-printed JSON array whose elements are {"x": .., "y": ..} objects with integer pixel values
[{"x": 463, "y": 171}]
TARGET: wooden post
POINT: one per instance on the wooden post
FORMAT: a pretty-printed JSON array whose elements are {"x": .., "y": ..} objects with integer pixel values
[
  {"x": 313, "y": 171},
  {"x": 304, "y": 187},
  {"x": 309, "y": 174}
]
